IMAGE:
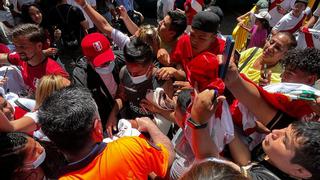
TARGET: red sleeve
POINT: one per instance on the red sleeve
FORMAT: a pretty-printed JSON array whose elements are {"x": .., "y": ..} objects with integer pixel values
[
  {"x": 177, "y": 51},
  {"x": 54, "y": 68},
  {"x": 14, "y": 59}
]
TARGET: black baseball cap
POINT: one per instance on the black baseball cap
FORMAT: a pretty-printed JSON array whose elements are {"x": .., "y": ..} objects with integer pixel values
[{"x": 206, "y": 21}]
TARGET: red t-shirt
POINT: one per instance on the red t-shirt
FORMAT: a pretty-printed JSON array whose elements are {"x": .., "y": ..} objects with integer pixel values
[
  {"x": 31, "y": 74},
  {"x": 182, "y": 53}
]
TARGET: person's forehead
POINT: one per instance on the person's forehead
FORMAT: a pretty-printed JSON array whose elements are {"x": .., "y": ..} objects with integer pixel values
[
  {"x": 21, "y": 40},
  {"x": 281, "y": 39},
  {"x": 199, "y": 32},
  {"x": 167, "y": 20}
]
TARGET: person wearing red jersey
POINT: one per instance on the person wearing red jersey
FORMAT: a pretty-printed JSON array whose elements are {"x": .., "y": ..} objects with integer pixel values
[
  {"x": 28, "y": 40},
  {"x": 202, "y": 38}
]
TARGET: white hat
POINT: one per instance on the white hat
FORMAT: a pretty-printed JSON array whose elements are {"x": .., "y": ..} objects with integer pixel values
[{"x": 263, "y": 15}]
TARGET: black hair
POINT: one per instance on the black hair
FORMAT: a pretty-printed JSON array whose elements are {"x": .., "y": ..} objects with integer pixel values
[
  {"x": 307, "y": 154},
  {"x": 307, "y": 60},
  {"x": 213, "y": 170},
  {"x": 217, "y": 10},
  {"x": 31, "y": 31},
  {"x": 25, "y": 12},
  {"x": 11, "y": 153},
  {"x": 67, "y": 117},
  {"x": 178, "y": 22},
  {"x": 136, "y": 51}
]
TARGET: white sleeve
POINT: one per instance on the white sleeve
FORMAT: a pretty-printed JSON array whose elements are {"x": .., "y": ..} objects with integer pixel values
[
  {"x": 281, "y": 24},
  {"x": 317, "y": 11},
  {"x": 119, "y": 38},
  {"x": 307, "y": 11},
  {"x": 33, "y": 116}
]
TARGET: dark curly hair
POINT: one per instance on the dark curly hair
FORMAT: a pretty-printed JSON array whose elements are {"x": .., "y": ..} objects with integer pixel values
[{"x": 307, "y": 60}]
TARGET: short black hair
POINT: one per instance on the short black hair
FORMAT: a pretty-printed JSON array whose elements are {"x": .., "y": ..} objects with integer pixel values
[
  {"x": 67, "y": 117},
  {"x": 137, "y": 51},
  {"x": 217, "y": 10},
  {"x": 11, "y": 154},
  {"x": 307, "y": 154},
  {"x": 178, "y": 22},
  {"x": 306, "y": 60},
  {"x": 31, "y": 31}
]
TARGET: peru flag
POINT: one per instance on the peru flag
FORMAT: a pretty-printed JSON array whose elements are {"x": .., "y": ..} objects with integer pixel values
[
  {"x": 191, "y": 8},
  {"x": 308, "y": 38}
]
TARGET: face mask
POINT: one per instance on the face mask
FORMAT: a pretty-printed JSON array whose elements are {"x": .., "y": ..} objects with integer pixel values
[
  {"x": 105, "y": 70},
  {"x": 138, "y": 79},
  {"x": 38, "y": 161}
]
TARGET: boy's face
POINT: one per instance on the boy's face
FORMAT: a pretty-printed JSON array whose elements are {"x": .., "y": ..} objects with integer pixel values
[
  {"x": 299, "y": 7},
  {"x": 6, "y": 108},
  {"x": 200, "y": 41},
  {"x": 291, "y": 75},
  {"x": 280, "y": 146}
]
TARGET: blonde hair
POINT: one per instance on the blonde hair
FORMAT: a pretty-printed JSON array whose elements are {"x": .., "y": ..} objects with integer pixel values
[
  {"x": 149, "y": 35},
  {"x": 47, "y": 85}
]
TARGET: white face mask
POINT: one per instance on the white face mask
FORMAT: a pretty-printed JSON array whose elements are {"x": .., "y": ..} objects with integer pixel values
[
  {"x": 38, "y": 161},
  {"x": 105, "y": 70},
  {"x": 138, "y": 79}
]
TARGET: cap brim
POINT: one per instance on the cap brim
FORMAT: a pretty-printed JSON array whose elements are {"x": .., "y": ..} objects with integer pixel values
[{"x": 103, "y": 58}]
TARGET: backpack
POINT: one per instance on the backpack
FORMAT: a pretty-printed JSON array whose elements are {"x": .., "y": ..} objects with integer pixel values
[{"x": 68, "y": 36}]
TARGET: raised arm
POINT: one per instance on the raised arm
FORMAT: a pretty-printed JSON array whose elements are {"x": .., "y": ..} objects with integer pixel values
[
  {"x": 101, "y": 23},
  {"x": 24, "y": 124},
  {"x": 249, "y": 95},
  {"x": 131, "y": 26}
]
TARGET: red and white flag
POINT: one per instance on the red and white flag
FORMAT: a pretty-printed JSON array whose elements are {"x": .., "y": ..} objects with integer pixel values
[{"x": 308, "y": 38}]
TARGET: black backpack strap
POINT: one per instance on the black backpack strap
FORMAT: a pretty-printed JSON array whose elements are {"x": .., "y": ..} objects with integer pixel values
[
  {"x": 22, "y": 106},
  {"x": 248, "y": 59}
]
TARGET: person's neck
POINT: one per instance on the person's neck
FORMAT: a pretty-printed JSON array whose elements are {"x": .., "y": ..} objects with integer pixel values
[
  {"x": 37, "y": 59},
  {"x": 77, "y": 156}
]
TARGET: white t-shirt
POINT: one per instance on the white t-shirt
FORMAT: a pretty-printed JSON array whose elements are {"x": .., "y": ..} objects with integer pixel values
[
  {"x": 317, "y": 14},
  {"x": 289, "y": 21},
  {"x": 276, "y": 15},
  {"x": 119, "y": 38},
  {"x": 163, "y": 7},
  {"x": 91, "y": 3}
]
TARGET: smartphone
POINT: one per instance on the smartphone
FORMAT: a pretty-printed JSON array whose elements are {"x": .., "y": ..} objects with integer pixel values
[
  {"x": 228, "y": 48},
  {"x": 236, "y": 57},
  {"x": 265, "y": 71},
  {"x": 5, "y": 72}
]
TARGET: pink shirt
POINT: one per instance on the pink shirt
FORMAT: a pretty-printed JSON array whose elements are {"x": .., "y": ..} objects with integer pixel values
[{"x": 258, "y": 37}]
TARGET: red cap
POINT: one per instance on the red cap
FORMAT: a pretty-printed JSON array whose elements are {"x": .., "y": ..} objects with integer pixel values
[
  {"x": 96, "y": 47},
  {"x": 204, "y": 69}
]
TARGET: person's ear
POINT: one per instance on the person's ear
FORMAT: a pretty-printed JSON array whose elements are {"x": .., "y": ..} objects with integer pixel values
[
  {"x": 39, "y": 45},
  {"x": 312, "y": 79},
  {"x": 300, "y": 172},
  {"x": 97, "y": 134}
]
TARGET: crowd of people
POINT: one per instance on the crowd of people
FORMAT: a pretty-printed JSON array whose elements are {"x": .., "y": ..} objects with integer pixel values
[{"x": 88, "y": 90}]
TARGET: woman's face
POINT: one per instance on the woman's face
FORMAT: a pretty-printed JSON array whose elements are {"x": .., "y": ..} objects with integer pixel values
[{"x": 35, "y": 14}]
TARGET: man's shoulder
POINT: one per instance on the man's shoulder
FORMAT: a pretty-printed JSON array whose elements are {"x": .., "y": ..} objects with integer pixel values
[{"x": 264, "y": 171}]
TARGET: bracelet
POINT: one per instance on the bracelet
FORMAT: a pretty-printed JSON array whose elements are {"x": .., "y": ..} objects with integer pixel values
[
  {"x": 194, "y": 125},
  {"x": 85, "y": 5}
]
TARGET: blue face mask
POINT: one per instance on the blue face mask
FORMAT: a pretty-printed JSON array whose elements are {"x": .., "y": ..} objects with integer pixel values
[{"x": 105, "y": 70}]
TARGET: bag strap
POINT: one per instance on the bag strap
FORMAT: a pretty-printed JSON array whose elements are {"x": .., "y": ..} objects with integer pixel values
[{"x": 248, "y": 59}]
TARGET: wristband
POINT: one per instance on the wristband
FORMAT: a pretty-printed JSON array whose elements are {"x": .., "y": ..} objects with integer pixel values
[{"x": 194, "y": 125}]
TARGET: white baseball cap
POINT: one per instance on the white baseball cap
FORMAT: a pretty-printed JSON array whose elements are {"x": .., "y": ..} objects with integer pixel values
[{"x": 263, "y": 15}]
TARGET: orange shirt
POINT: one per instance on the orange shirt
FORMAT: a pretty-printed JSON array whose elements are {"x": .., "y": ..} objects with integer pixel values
[{"x": 125, "y": 158}]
